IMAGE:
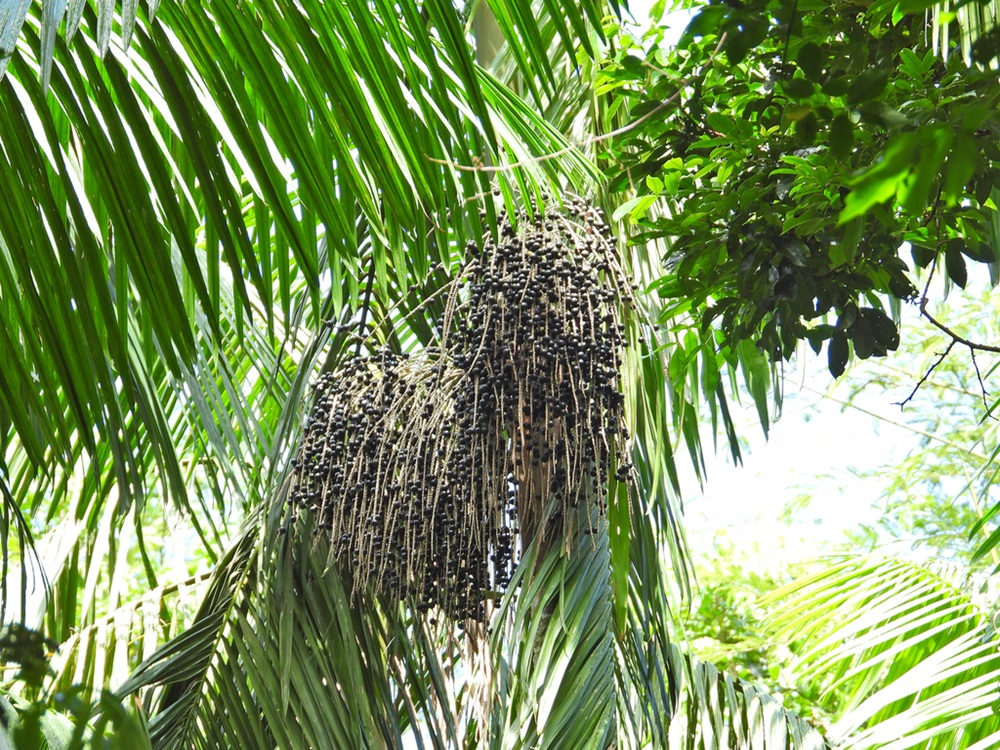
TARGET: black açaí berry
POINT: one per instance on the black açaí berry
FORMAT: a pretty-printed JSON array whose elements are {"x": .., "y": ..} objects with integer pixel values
[{"x": 428, "y": 473}]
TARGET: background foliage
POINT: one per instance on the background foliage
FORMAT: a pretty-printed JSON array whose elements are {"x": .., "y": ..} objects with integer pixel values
[{"x": 787, "y": 150}]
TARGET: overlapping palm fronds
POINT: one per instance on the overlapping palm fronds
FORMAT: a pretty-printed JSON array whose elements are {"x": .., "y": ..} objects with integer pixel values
[
  {"x": 208, "y": 150},
  {"x": 978, "y": 27},
  {"x": 199, "y": 203},
  {"x": 910, "y": 653}
]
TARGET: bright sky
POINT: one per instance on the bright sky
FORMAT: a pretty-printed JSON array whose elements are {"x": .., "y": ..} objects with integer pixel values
[{"x": 814, "y": 452}]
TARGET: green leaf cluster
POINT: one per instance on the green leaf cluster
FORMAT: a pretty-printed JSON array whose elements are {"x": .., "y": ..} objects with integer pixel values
[{"x": 786, "y": 152}]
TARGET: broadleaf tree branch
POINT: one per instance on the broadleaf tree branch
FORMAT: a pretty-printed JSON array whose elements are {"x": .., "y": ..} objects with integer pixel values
[{"x": 956, "y": 338}]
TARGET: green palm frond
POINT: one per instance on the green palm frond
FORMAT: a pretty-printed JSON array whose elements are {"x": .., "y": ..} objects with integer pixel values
[
  {"x": 555, "y": 647},
  {"x": 199, "y": 192},
  {"x": 220, "y": 195},
  {"x": 282, "y": 655},
  {"x": 912, "y": 656},
  {"x": 719, "y": 711},
  {"x": 267, "y": 662},
  {"x": 518, "y": 22},
  {"x": 954, "y": 27},
  {"x": 978, "y": 29},
  {"x": 106, "y": 652},
  {"x": 240, "y": 181},
  {"x": 569, "y": 652}
]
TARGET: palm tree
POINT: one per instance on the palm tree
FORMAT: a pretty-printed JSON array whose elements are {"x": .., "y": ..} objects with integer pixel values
[{"x": 202, "y": 207}]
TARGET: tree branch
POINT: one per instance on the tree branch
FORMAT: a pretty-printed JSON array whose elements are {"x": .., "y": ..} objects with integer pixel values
[
  {"x": 930, "y": 370},
  {"x": 973, "y": 346},
  {"x": 956, "y": 338}
]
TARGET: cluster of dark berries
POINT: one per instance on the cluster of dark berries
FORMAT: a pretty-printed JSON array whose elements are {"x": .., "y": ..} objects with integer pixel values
[
  {"x": 390, "y": 474},
  {"x": 428, "y": 473}
]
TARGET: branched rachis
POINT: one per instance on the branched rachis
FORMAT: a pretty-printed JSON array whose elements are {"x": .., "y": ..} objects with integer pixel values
[{"x": 427, "y": 471}]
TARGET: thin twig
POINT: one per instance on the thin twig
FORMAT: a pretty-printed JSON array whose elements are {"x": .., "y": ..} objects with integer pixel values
[
  {"x": 982, "y": 385},
  {"x": 788, "y": 36},
  {"x": 930, "y": 371},
  {"x": 365, "y": 305},
  {"x": 973, "y": 346}
]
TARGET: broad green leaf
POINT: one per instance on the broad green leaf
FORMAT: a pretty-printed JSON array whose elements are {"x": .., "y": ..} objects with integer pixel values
[
  {"x": 799, "y": 88},
  {"x": 962, "y": 162},
  {"x": 914, "y": 192},
  {"x": 811, "y": 60},
  {"x": 880, "y": 182},
  {"x": 841, "y": 138},
  {"x": 866, "y": 86},
  {"x": 955, "y": 263},
  {"x": 837, "y": 354}
]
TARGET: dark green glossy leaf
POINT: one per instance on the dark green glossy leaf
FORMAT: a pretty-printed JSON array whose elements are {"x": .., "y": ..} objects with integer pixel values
[
  {"x": 841, "y": 139},
  {"x": 922, "y": 256},
  {"x": 882, "y": 115},
  {"x": 962, "y": 162},
  {"x": 634, "y": 66},
  {"x": 981, "y": 252},
  {"x": 863, "y": 337},
  {"x": 837, "y": 353},
  {"x": 955, "y": 263},
  {"x": 806, "y": 129},
  {"x": 811, "y": 60},
  {"x": 707, "y": 20},
  {"x": 799, "y": 88},
  {"x": 818, "y": 334},
  {"x": 738, "y": 44},
  {"x": 866, "y": 86},
  {"x": 838, "y": 85},
  {"x": 884, "y": 336}
]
